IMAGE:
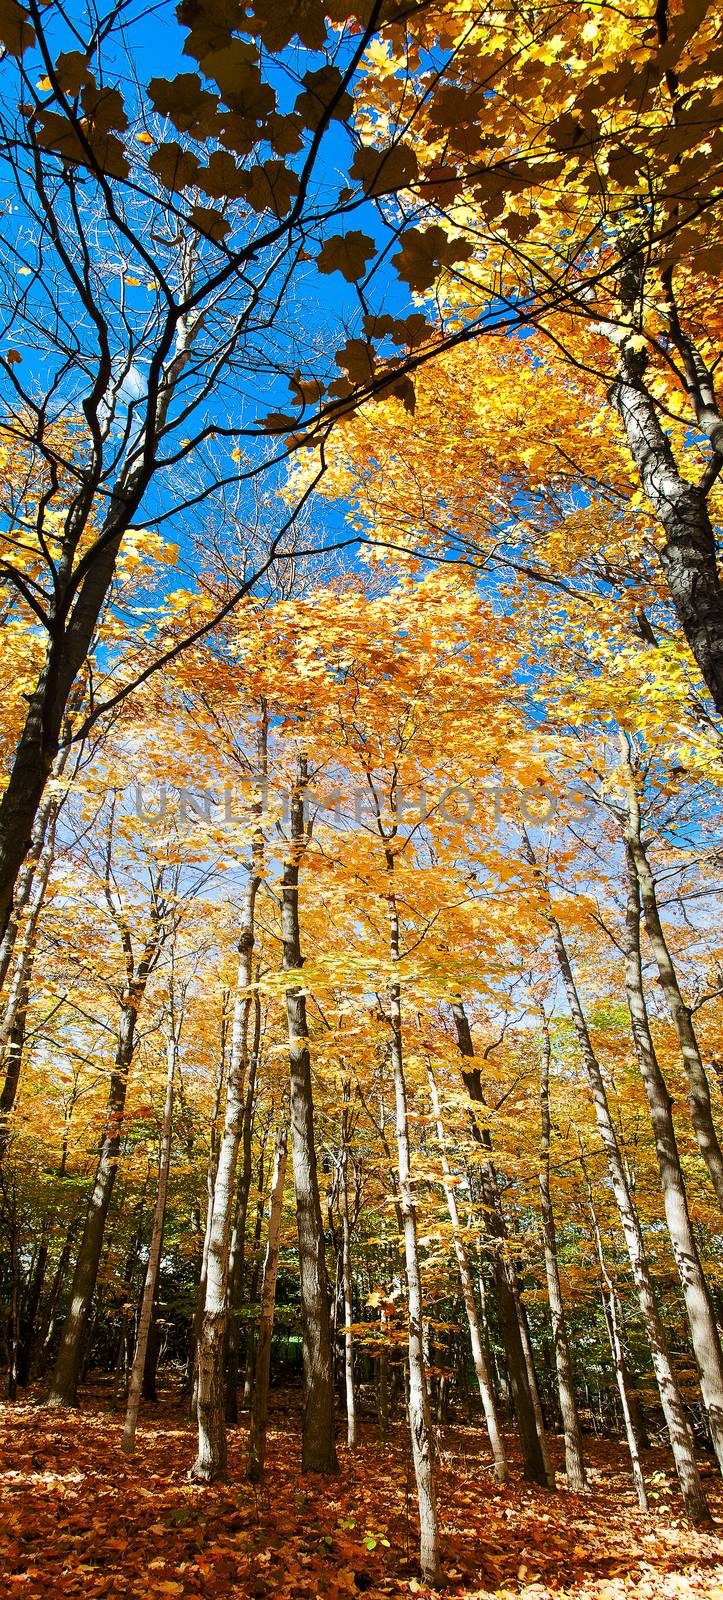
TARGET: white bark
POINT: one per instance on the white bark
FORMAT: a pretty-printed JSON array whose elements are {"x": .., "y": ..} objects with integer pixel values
[
  {"x": 149, "y": 1288},
  {"x": 470, "y": 1304},
  {"x": 260, "y": 1400}
]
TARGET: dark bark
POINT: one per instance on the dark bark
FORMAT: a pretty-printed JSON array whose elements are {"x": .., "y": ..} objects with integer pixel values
[
  {"x": 143, "y": 1371},
  {"x": 613, "y": 1323},
  {"x": 260, "y": 1402},
  {"x": 698, "y": 1304},
  {"x": 254, "y": 1280},
  {"x": 688, "y": 555},
  {"x": 318, "y": 1446},
  {"x": 237, "y": 1261},
  {"x": 679, "y": 1433},
  {"x": 574, "y": 1462},
  {"x": 13, "y": 1058},
  {"x": 701, "y": 1113},
  {"x": 535, "y": 1468},
  {"x": 64, "y": 1383},
  {"x": 29, "y": 1316},
  {"x": 211, "y": 1460}
]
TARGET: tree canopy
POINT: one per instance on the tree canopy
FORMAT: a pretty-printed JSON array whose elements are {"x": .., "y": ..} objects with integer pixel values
[{"x": 360, "y": 983}]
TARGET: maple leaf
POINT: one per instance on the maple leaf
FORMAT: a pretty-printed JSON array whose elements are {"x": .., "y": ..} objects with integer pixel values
[
  {"x": 16, "y": 32},
  {"x": 177, "y": 168},
  {"x": 347, "y": 253},
  {"x": 424, "y": 251},
  {"x": 303, "y": 19},
  {"x": 320, "y": 88},
  {"x": 270, "y": 187},
  {"x": 236, "y": 70},
  {"x": 385, "y": 171},
  {"x": 72, "y": 71},
  {"x": 209, "y": 221},
  {"x": 184, "y": 100}
]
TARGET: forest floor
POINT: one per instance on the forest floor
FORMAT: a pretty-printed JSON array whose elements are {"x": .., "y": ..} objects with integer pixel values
[{"x": 78, "y": 1518}]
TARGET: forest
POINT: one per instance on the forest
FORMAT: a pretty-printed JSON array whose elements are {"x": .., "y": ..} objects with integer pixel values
[{"x": 361, "y": 999}]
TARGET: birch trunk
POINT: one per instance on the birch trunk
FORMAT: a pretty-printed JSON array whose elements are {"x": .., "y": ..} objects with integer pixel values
[
  {"x": 470, "y": 1305},
  {"x": 260, "y": 1399},
  {"x": 419, "y": 1422},
  {"x": 64, "y": 1383},
  {"x": 688, "y": 554},
  {"x": 318, "y": 1451},
  {"x": 214, "y": 1145},
  {"x": 698, "y": 1304},
  {"x": 237, "y": 1261},
  {"x": 701, "y": 1114},
  {"x": 351, "y": 1436},
  {"x": 574, "y": 1462},
  {"x": 211, "y": 1460},
  {"x": 612, "y": 1323},
  {"x": 679, "y": 1433},
  {"x": 135, "y": 1387},
  {"x": 533, "y": 1452}
]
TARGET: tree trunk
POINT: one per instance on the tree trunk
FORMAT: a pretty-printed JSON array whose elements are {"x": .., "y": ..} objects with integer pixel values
[
  {"x": 470, "y": 1305},
  {"x": 19, "y": 948},
  {"x": 14, "y": 1046},
  {"x": 698, "y": 1304},
  {"x": 612, "y": 1323},
  {"x": 419, "y": 1422},
  {"x": 211, "y": 1170},
  {"x": 534, "y": 1387},
  {"x": 210, "y": 1463},
  {"x": 688, "y": 555},
  {"x": 260, "y": 1400},
  {"x": 574, "y": 1463},
  {"x": 154, "y": 1255},
  {"x": 47, "y": 1325},
  {"x": 64, "y": 1383},
  {"x": 28, "y": 1316},
  {"x": 698, "y": 1090},
  {"x": 81, "y": 587},
  {"x": 318, "y": 1452},
  {"x": 250, "y": 1360},
  {"x": 534, "y": 1455},
  {"x": 238, "y": 1242},
  {"x": 351, "y": 1437},
  {"x": 33, "y": 876},
  {"x": 149, "y": 1389},
  {"x": 383, "y": 1380},
  {"x": 680, "y": 1436}
]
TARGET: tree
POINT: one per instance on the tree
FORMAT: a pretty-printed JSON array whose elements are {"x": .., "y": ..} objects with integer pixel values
[
  {"x": 174, "y": 1023},
  {"x": 594, "y": 205},
  {"x": 318, "y": 1452},
  {"x": 144, "y": 309},
  {"x": 574, "y": 1465}
]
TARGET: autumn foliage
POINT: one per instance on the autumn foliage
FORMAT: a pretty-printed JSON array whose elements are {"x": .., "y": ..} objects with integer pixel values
[{"x": 361, "y": 1170}]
